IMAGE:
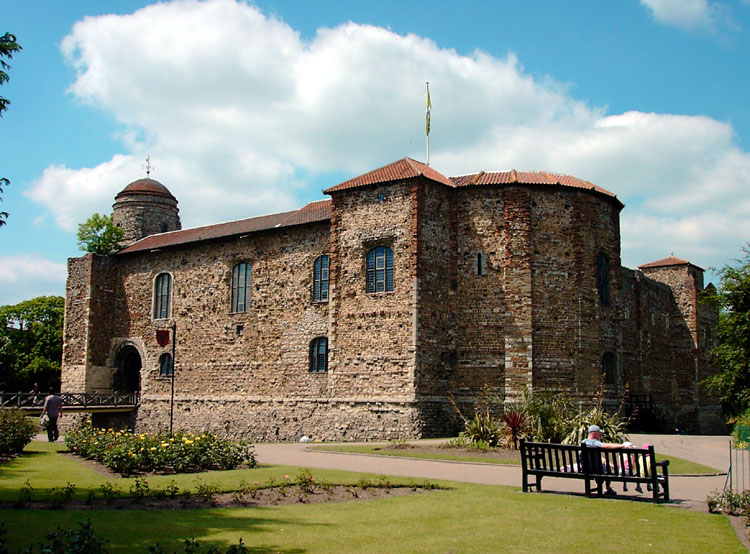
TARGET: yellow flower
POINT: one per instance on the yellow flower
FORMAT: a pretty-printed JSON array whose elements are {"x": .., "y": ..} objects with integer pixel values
[
  {"x": 188, "y": 442},
  {"x": 153, "y": 448}
]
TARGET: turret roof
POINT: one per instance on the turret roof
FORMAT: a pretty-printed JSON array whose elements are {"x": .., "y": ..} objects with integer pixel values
[
  {"x": 667, "y": 262},
  {"x": 146, "y": 186}
]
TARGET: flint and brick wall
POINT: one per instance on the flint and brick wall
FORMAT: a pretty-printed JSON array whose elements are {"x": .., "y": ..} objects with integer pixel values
[
  {"x": 141, "y": 215},
  {"x": 400, "y": 362}
]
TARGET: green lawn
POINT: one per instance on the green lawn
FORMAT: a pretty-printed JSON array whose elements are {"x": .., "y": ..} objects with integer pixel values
[
  {"x": 677, "y": 466},
  {"x": 463, "y": 518}
]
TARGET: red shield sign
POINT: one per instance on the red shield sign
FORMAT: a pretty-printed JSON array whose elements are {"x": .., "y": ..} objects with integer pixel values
[{"x": 162, "y": 337}]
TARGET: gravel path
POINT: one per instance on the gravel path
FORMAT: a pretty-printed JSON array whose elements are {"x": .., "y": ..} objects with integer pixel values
[{"x": 687, "y": 491}]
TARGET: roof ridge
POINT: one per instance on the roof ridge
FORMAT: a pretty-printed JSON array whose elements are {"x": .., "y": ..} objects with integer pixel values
[
  {"x": 513, "y": 176},
  {"x": 551, "y": 177},
  {"x": 411, "y": 163},
  {"x": 477, "y": 177}
]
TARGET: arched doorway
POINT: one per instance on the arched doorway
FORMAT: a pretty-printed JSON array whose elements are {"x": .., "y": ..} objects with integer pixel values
[{"x": 127, "y": 375}]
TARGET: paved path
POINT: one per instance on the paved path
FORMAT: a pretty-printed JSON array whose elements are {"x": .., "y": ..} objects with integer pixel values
[{"x": 690, "y": 492}]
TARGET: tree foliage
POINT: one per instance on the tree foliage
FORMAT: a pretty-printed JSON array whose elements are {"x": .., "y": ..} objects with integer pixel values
[
  {"x": 31, "y": 344},
  {"x": 732, "y": 354},
  {"x": 8, "y": 47},
  {"x": 99, "y": 235}
]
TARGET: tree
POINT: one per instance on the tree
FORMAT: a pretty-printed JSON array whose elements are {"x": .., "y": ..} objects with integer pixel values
[
  {"x": 31, "y": 344},
  {"x": 99, "y": 235},
  {"x": 732, "y": 383},
  {"x": 8, "y": 46}
]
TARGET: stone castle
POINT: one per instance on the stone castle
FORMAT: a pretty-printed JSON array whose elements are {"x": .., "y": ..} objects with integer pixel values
[{"x": 382, "y": 311}]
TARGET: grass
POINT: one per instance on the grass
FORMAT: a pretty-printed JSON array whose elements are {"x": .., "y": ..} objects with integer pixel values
[
  {"x": 464, "y": 518},
  {"x": 677, "y": 466}
]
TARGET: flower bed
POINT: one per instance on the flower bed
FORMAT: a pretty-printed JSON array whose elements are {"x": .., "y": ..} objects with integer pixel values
[{"x": 128, "y": 453}]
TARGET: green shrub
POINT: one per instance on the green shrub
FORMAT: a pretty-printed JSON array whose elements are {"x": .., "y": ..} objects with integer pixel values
[
  {"x": 16, "y": 431},
  {"x": 612, "y": 424},
  {"x": 483, "y": 428},
  {"x": 549, "y": 415},
  {"x": 740, "y": 431},
  {"x": 63, "y": 495},
  {"x": 730, "y": 502},
  {"x": 128, "y": 453}
]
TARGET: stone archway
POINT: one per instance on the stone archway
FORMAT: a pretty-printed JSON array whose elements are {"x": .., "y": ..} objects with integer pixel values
[{"x": 127, "y": 374}]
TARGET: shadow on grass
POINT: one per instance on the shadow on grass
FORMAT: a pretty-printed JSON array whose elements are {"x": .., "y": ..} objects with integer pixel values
[
  {"x": 13, "y": 467},
  {"x": 219, "y": 527}
]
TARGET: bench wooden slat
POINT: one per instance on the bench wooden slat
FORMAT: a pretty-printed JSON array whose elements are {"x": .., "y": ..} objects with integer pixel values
[{"x": 595, "y": 466}]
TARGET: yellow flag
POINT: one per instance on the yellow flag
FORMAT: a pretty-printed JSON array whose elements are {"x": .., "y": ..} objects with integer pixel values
[{"x": 429, "y": 105}]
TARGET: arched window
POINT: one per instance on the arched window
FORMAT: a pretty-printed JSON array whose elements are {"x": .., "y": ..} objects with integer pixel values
[
  {"x": 240, "y": 287},
  {"x": 165, "y": 365},
  {"x": 380, "y": 269},
  {"x": 609, "y": 371},
  {"x": 320, "y": 279},
  {"x": 319, "y": 354},
  {"x": 162, "y": 295},
  {"x": 602, "y": 278}
]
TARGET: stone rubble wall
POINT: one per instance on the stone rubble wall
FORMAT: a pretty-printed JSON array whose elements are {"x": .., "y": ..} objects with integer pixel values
[
  {"x": 141, "y": 215},
  {"x": 405, "y": 363}
]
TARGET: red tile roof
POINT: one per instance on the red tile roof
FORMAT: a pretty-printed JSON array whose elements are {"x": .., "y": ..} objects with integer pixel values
[
  {"x": 405, "y": 168},
  {"x": 526, "y": 178},
  {"x": 311, "y": 213},
  {"x": 667, "y": 262},
  {"x": 408, "y": 168}
]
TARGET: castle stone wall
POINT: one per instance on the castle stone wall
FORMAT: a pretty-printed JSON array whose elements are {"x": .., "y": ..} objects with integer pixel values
[
  {"x": 495, "y": 290},
  {"x": 375, "y": 340}
]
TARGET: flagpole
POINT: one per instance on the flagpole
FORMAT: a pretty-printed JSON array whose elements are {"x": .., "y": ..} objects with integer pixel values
[{"x": 427, "y": 122}]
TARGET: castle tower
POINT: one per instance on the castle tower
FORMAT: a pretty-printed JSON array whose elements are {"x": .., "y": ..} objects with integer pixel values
[
  {"x": 686, "y": 280},
  {"x": 145, "y": 207},
  {"x": 692, "y": 336}
]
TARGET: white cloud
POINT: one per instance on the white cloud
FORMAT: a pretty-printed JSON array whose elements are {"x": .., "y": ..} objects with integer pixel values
[
  {"x": 681, "y": 13},
  {"x": 27, "y": 276},
  {"x": 235, "y": 110}
]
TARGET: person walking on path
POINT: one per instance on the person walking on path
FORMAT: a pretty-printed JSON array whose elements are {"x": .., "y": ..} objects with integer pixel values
[{"x": 53, "y": 407}]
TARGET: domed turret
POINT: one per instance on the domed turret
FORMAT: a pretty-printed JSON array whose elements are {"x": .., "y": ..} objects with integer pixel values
[{"x": 145, "y": 207}]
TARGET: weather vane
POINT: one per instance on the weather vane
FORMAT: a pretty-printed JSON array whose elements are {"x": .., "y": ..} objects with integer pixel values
[{"x": 148, "y": 166}]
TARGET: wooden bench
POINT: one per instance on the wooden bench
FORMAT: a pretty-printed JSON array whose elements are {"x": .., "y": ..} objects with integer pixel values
[{"x": 594, "y": 466}]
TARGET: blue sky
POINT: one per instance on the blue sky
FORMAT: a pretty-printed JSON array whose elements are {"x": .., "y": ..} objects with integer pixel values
[{"x": 254, "y": 108}]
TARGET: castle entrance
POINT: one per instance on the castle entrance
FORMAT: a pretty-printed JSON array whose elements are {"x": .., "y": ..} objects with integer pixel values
[{"x": 127, "y": 375}]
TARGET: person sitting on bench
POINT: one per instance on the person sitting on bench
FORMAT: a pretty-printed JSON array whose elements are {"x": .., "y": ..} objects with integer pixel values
[{"x": 594, "y": 441}]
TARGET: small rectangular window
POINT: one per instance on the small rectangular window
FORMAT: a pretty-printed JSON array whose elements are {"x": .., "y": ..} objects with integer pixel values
[
  {"x": 379, "y": 270},
  {"x": 320, "y": 279},
  {"x": 241, "y": 287},
  {"x": 162, "y": 295}
]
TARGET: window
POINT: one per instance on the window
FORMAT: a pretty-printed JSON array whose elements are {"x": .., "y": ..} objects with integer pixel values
[
  {"x": 240, "y": 287},
  {"x": 319, "y": 355},
  {"x": 602, "y": 278},
  {"x": 162, "y": 295},
  {"x": 480, "y": 264},
  {"x": 608, "y": 368},
  {"x": 380, "y": 269},
  {"x": 320, "y": 279},
  {"x": 165, "y": 365}
]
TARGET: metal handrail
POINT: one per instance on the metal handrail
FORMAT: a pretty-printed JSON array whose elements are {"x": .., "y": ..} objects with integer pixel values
[{"x": 32, "y": 400}]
